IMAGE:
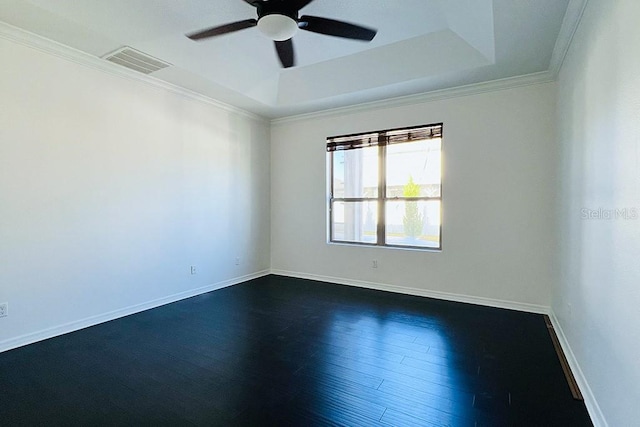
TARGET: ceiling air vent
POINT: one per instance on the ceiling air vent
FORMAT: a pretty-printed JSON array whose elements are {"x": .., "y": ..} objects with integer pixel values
[{"x": 136, "y": 60}]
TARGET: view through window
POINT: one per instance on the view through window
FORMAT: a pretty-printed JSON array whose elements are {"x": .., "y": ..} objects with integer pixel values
[{"x": 386, "y": 187}]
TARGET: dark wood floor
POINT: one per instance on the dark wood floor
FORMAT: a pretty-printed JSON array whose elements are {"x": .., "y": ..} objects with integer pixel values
[{"x": 283, "y": 351}]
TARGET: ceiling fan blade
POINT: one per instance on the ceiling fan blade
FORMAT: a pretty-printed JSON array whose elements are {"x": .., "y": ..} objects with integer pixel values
[
  {"x": 223, "y": 29},
  {"x": 285, "y": 53},
  {"x": 332, "y": 27}
]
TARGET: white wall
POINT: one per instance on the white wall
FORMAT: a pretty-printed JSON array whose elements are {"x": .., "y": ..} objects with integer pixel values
[
  {"x": 597, "y": 300},
  {"x": 110, "y": 189},
  {"x": 499, "y": 165}
]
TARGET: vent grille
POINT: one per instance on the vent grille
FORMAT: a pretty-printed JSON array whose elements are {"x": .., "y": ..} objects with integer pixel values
[{"x": 136, "y": 60}]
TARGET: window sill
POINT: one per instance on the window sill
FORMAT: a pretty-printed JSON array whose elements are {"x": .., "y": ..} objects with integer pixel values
[{"x": 402, "y": 248}]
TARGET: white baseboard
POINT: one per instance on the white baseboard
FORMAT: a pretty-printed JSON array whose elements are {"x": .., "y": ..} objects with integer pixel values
[
  {"x": 597, "y": 417},
  {"x": 489, "y": 302},
  {"x": 105, "y": 317}
]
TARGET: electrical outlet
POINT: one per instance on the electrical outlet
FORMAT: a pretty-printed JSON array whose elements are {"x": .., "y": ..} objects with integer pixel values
[
  {"x": 193, "y": 269},
  {"x": 238, "y": 261},
  {"x": 4, "y": 309},
  {"x": 374, "y": 264}
]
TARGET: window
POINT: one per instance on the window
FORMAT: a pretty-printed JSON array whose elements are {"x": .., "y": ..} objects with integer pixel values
[{"x": 386, "y": 187}]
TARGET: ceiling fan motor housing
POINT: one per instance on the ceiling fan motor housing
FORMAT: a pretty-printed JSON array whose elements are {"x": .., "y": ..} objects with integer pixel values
[
  {"x": 279, "y": 21},
  {"x": 276, "y": 8}
]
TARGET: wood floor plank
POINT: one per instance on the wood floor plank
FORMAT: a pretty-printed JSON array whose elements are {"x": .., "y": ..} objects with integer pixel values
[{"x": 285, "y": 351}]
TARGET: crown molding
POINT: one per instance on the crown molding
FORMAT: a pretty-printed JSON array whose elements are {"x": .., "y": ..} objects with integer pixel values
[
  {"x": 437, "y": 95},
  {"x": 43, "y": 44},
  {"x": 570, "y": 24}
]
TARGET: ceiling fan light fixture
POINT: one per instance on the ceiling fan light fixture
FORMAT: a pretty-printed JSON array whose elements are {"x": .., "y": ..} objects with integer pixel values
[
  {"x": 279, "y": 20},
  {"x": 277, "y": 27}
]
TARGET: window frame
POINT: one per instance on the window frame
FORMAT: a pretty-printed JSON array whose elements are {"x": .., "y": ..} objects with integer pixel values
[{"x": 382, "y": 199}]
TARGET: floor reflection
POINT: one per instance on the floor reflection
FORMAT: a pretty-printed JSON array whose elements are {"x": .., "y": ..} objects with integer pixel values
[
  {"x": 283, "y": 351},
  {"x": 393, "y": 359}
]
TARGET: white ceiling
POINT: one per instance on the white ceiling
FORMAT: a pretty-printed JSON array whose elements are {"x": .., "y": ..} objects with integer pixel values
[{"x": 421, "y": 46}]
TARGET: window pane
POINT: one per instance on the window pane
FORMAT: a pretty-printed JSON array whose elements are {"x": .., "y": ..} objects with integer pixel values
[
  {"x": 414, "y": 169},
  {"x": 355, "y": 173},
  {"x": 354, "y": 222},
  {"x": 413, "y": 223}
]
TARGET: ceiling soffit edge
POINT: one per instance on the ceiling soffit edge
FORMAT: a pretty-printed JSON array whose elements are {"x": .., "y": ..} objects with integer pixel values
[
  {"x": 419, "y": 98},
  {"x": 570, "y": 24}
]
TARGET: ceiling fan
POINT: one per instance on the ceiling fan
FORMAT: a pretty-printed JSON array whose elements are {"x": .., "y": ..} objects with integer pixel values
[{"x": 279, "y": 20}]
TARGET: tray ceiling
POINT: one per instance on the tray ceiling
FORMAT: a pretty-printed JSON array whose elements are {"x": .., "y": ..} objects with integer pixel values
[{"x": 421, "y": 46}]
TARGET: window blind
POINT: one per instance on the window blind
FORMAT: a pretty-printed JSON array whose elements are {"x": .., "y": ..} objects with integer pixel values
[{"x": 386, "y": 137}]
